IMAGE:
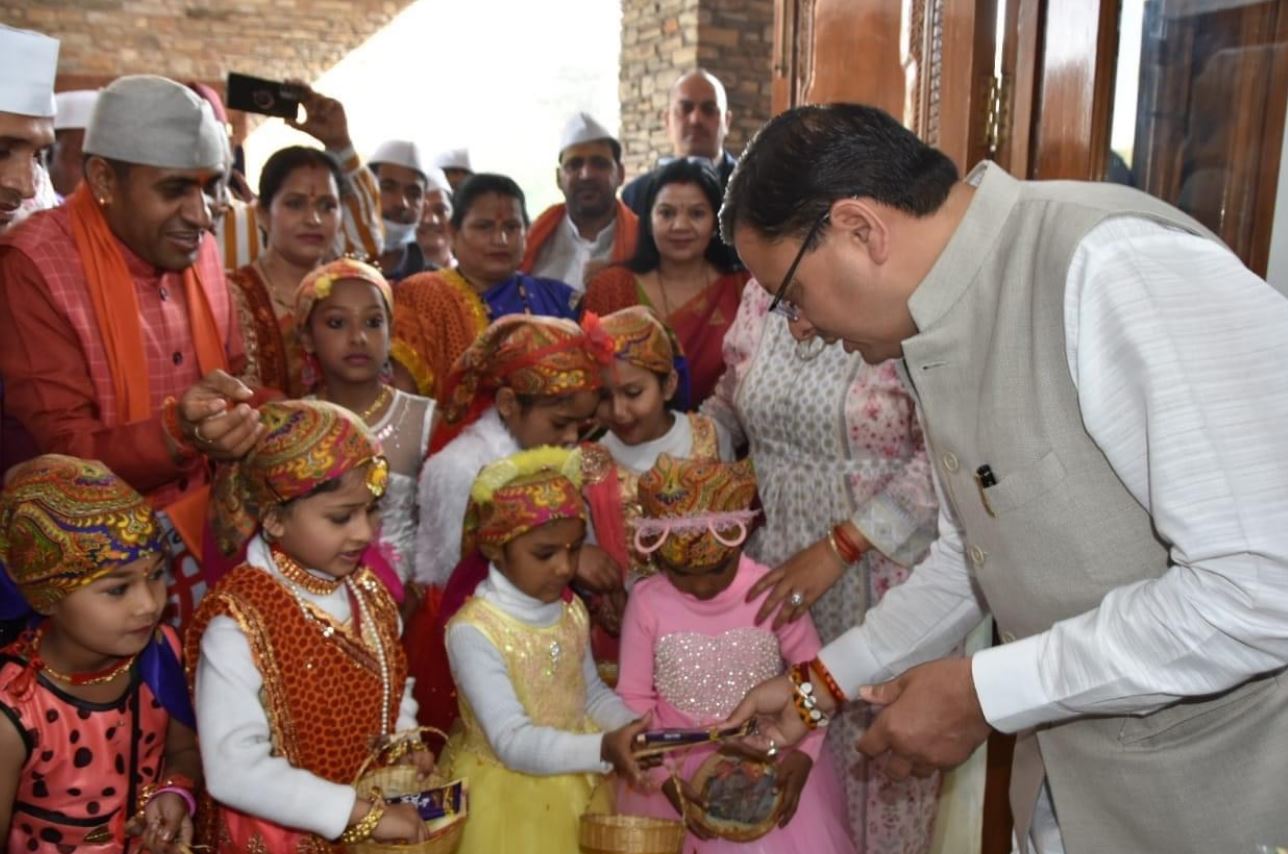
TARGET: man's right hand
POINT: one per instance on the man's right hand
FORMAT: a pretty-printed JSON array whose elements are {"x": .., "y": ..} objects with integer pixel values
[{"x": 217, "y": 419}]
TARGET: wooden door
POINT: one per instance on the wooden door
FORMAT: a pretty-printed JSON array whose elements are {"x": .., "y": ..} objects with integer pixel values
[
  {"x": 926, "y": 62},
  {"x": 1184, "y": 99}
]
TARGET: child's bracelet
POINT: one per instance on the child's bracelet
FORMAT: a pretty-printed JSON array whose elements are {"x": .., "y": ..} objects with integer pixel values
[
  {"x": 806, "y": 700},
  {"x": 181, "y": 792},
  {"x": 366, "y": 826}
]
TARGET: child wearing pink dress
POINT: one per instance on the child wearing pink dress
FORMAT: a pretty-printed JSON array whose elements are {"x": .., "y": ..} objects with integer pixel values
[{"x": 690, "y": 649}]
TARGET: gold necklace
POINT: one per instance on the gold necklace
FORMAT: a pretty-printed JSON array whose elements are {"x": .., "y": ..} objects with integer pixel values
[
  {"x": 98, "y": 677},
  {"x": 270, "y": 284},
  {"x": 301, "y": 577},
  {"x": 661, "y": 289},
  {"x": 386, "y": 392}
]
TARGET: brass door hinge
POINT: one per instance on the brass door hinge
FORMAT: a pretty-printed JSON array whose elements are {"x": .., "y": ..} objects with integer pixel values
[{"x": 997, "y": 106}]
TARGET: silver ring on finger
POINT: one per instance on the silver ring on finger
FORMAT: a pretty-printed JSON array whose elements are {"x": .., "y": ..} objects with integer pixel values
[
  {"x": 797, "y": 599},
  {"x": 196, "y": 434},
  {"x": 773, "y": 749}
]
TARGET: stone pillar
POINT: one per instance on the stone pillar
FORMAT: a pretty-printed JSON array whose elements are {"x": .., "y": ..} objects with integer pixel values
[{"x": 661, "y": 39}]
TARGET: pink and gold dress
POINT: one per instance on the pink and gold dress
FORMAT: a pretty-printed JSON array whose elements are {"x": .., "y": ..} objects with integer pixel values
[{"x": 690, "y": 662}]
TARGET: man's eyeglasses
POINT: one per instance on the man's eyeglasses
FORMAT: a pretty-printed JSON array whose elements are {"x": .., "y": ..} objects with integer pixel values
[{"x": 784, "y": 307}]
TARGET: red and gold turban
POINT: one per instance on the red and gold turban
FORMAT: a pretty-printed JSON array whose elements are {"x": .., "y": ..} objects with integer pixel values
[
  {"x": 533, "y": 355},
  {"x": 67, "y": 522},
  {"x": 523, "y": 491},
  {"x": 317, "y": 285},
  {"x": 694, "y": 512},
  {"x": 308, "y": 443},
  {"x": 641, "y": 338}
]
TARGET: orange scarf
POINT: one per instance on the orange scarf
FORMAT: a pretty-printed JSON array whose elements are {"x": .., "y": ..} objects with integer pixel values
[
  {"x": 116, "y": 309},
  {"x": 625, "y": 231}
]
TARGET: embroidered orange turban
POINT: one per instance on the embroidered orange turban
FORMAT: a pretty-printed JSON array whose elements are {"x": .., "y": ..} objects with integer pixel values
[
  {"x": 67, "y": 522},
  {"x": 309, "y": 442},
  {"x": 695, "y": 512},
  {"x": 533, "y": 355},
  {"x": 641, "y": 338},
  {"x": 520, "y": 492}
]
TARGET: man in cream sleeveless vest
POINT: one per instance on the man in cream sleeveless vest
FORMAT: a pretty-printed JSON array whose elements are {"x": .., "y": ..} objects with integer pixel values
[{"x": 1104, "y": 390}]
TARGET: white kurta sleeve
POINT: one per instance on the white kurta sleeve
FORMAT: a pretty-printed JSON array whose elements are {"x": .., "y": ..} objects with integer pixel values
[
  {"x": 1179, "y": 356},
  {"x": 236, "y": 744},
  {"x": 483, "y": 679},
  {"x": 922, "y": 619}
]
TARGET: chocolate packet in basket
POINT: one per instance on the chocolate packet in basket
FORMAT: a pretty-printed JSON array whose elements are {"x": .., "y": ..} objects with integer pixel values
[
  {"x": 658, "y": 741},
  {"x": 436, "y": 803}
]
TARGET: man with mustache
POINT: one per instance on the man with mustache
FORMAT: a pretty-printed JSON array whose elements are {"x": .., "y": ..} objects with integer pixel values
[
  {"x": 572, "y": 241},
  {"x": 28, "y": 63},
  {"x": 402, "y": 170},
  {"x": 117, "y": 341},
  {"x": 697, "y": 122}
]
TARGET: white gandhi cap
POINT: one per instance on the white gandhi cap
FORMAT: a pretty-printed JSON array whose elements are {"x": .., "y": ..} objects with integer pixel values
[{"x": 28, "y": 65}]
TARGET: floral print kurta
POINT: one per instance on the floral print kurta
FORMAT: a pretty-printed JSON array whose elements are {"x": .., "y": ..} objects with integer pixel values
[{"x": 833, "y": 438}]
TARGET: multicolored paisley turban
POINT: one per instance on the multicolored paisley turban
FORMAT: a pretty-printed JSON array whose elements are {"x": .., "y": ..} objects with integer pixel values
[
  {"x": 309, "y": 442},
  {"x": 67, "y": 522},
  {"x": 642, "y": 339},
  {"x": 523, "y": 491},
  {"x": 694, "y": 513},
  {"x": 533, "y": 355}
]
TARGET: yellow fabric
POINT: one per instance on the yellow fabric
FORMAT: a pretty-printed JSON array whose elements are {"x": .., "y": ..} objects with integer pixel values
[{"x": 511, "y": 811}]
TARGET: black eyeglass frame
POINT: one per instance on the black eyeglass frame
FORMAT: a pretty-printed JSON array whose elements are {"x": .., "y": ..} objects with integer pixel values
[{"x": 800, "y": 256}]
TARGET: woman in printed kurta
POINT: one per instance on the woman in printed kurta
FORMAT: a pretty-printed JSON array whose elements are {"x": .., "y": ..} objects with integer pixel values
[{"x": 846, "y": 446}]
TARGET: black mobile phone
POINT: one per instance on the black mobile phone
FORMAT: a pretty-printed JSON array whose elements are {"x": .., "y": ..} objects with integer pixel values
[{"x": 266, "y": 97}]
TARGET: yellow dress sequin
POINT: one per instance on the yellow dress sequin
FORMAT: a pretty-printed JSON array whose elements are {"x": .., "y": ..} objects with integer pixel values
[{"x": 511, "y": 811}]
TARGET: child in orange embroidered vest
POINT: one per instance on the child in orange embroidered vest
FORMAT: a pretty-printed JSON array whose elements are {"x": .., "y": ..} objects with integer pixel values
[
  {"x": 298, "y": 665},
  {"x": 96, "y": 740}
]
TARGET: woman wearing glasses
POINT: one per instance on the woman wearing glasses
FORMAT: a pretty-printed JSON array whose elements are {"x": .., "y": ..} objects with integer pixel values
[
  {"x": 681, "y": 269},
  {"x": 849, "y": 508}
]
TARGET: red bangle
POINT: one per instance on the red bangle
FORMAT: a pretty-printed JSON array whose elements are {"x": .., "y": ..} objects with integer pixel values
[
  {"x": 170, "y": 423},
  {"x": 820, "y": 668},
  {"x": 849, "y": 550}
]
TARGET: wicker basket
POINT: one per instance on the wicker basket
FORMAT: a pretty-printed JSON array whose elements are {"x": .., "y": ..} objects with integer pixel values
[
  {"x": 393, "y": 780},
  {"x": 728, "y": 830},
  {"x": 629, "y": 834},
  {"x": 607, "y": 833}
]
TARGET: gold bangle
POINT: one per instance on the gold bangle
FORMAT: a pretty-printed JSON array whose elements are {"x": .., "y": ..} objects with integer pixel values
[
  {"x": 367, "y": 824},
  {"x": 831, "y": 543}
]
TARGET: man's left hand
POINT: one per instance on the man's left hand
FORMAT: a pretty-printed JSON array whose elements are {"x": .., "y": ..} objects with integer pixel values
[
  {"x": 931, "y": 719},
  {"x": 325, "y": 118}
]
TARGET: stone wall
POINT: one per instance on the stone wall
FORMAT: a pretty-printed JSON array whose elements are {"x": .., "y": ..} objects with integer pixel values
[
  {"x": 732, "y": 39},
  {"x": 200, "y": 39}
]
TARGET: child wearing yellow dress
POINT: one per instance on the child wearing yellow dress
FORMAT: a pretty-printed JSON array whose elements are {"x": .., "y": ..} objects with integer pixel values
[{"x": 539, "y": 726}]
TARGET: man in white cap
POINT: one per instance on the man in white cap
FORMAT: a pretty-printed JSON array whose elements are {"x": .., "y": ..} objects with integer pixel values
[
  {"x": 571, "y": 241},
  {"x": 28, "y": 63},
  {"x": 402, "y": 171},
  {"x": 70, "y": 121},
  {"x": 117, "y": 341},
  {"x": 697, "y": 122},
  {"x": 455, "y": 163},
  {"x": 433, "y": 236}
]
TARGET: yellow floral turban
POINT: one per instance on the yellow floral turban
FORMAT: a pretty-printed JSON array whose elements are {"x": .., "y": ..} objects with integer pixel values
[{"x": 523, "y": 491}]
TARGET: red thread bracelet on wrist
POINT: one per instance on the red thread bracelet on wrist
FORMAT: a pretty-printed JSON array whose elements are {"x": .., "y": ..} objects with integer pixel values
[
  {"x": 173, "y": 429},
  {"x": 838, "y": 696}
]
